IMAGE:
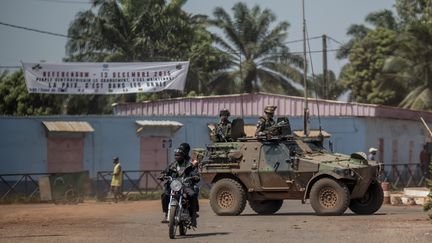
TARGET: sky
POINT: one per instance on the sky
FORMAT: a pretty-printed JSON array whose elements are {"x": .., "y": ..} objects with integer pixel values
[{"x": 330, "y": 17}]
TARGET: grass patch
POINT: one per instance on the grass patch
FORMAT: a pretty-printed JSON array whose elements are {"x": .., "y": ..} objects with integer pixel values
[{"x": 19, "y": 199}]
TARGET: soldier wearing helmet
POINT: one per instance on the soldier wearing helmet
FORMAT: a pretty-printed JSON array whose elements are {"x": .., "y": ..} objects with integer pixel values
[
  {"x": 265, "y": 122},
  {"x": 223, "y": 128}
]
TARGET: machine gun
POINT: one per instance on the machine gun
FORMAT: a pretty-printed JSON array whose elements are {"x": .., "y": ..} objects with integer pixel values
[{"x": 220, "y": 135}]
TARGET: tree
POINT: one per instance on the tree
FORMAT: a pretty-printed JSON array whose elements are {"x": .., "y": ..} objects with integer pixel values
[
  {"x": 411, "y": 63},
  {"x": 380, "y": 19},
  {"x": 363, "y": 73},
  {"x": 258, "y": 57},
  {"x": 154, "y": 30},
  {"x": 331, "y": 90},
  {"x": 15, "y": 100}
]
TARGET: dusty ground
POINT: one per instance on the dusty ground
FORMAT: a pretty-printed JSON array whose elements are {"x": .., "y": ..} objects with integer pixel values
[{"x": 139, "y": 222}]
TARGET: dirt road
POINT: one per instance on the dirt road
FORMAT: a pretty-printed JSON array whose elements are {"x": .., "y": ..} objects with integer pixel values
[{"x": 139, "y": 222}]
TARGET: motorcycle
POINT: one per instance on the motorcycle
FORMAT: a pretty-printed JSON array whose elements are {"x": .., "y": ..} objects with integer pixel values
[{"x": 178, "y": 207}]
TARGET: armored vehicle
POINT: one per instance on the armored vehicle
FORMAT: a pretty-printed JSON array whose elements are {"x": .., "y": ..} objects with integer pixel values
[{"x": 267, "y": 170}]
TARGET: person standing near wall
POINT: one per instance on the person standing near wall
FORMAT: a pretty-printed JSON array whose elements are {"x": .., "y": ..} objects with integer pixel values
[
  {"x": 372, "y": 153},
  {"x": 116, "y": 180},
  {"x": 425, "y": 158}
]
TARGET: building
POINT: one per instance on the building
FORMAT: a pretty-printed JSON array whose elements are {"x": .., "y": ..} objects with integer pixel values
[{"x": 144, "y": 135}]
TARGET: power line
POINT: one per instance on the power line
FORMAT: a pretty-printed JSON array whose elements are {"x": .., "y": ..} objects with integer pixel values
[
  {"x": 66, "y": 1},
  {"x": 301, "y": 40},
  {"x": 331, "y": 38},
  {"x": 35, "y": 30},
  {"x": 9, "y": 67}
]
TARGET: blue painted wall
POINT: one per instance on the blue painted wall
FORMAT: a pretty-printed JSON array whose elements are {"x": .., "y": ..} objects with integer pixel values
[{"x": 23, "y": 147}]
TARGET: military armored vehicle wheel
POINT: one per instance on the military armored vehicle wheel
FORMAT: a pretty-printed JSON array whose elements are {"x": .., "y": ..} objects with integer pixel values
[
  {"x": 266, "y": 207},
  {"x": 227, "y": 197},
  {"x": 370, "y": 202},
  {"x": 329, "y": 197}
]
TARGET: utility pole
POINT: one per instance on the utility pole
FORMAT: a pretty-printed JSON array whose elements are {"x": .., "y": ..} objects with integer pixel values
[{"x": 325, "y": 75}]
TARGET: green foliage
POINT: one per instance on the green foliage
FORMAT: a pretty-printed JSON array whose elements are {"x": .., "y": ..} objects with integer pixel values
[
  {"x": 381, "y": 19},
  {"x": 411, "y": 11},
  {"x": 363, "y": 74},
  {"x": 15, "y": 100},
  {"x": 155, "y": 30},
  {"x": 19, "y": 199},
  {"x": 329, "y": 90},
  {"x": 152, "y": 195},
  {"x": 258, "y": 57},
  {"x": 413, "y": 65},
  {"x": 428, "y": 205}
]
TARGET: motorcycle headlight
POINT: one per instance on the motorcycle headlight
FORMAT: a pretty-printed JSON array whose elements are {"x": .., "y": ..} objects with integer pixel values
[{"x": 176, "y": 185}]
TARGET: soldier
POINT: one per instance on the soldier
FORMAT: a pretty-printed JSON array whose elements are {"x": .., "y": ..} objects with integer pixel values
[
  {"x": 265, "y": 122},
  {"x": 223, "y": 128}
]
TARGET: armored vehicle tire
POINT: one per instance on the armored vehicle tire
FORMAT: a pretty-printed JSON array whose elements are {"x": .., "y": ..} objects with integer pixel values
[
  {"x": 227, "y": 197},
  {"x": 329, "y": 197},
  {"x": 370, "y": 202},
  {"x": 265, "y": 207}
]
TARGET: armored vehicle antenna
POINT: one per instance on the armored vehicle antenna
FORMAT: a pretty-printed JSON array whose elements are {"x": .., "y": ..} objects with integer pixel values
[{"x": 306, "y": 108}]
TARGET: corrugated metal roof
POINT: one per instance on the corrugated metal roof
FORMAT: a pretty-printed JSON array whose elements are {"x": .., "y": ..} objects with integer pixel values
[
  {"x": 68, "y": 126},
  {"x": 174, "y": 125},
  {"x": 253, "y": 105}
]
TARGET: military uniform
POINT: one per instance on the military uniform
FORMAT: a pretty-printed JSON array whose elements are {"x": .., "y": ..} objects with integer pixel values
[
  {"x": 223, "y": 128},
  {"x": 223, "y": 132},
  {"x": 266, "y": 122}
]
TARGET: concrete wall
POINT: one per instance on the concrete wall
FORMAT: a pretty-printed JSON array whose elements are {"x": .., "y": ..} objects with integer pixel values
[
  {"x": 23, "y": 147},
  {"x": 402, "y": 139}
]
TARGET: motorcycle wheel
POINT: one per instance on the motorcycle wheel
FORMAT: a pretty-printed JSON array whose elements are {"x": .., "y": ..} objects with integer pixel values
[
  {"x": 172, "y": 224},
  {"x": 182, "y": 229}
]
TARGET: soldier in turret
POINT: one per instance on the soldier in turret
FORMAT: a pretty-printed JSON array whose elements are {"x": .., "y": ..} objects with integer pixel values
[
  {"x": 266, "y": 122},
  {"x": 223, "y": 128}
]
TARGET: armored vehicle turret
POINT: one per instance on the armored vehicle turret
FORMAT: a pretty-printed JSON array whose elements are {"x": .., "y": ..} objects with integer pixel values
[{"x": 266, "y": 170}]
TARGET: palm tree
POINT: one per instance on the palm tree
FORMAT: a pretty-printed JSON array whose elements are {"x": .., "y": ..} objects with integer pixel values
[
  {"x": 412, "y": 65},
  {"x": 135, "y": 30},
  {"x": 258, "y": 57},
  {"x": 331, "y": 90}
]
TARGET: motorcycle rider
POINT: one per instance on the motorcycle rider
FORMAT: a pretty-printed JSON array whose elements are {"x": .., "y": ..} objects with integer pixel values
[
  {"x": 181, "y": 167},
  {"x": 186, "y": 148}
]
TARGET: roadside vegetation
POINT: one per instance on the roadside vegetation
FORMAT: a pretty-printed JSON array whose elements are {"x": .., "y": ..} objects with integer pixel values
[{"x": 239, "y": 50}]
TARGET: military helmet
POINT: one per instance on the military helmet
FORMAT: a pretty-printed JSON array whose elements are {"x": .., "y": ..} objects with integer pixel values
[
  {"x": 185, "y": 147},
  {"x": 224, "y": 112},
  {"x": 179, "y": 152},
  {"x": 270, "y": 109}
]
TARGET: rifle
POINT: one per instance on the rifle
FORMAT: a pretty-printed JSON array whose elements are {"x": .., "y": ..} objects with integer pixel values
[{"x": 220, "y": 133}]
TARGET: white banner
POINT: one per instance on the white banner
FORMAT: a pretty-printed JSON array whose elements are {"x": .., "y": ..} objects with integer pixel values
[{"x": 105, "y": 78}]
